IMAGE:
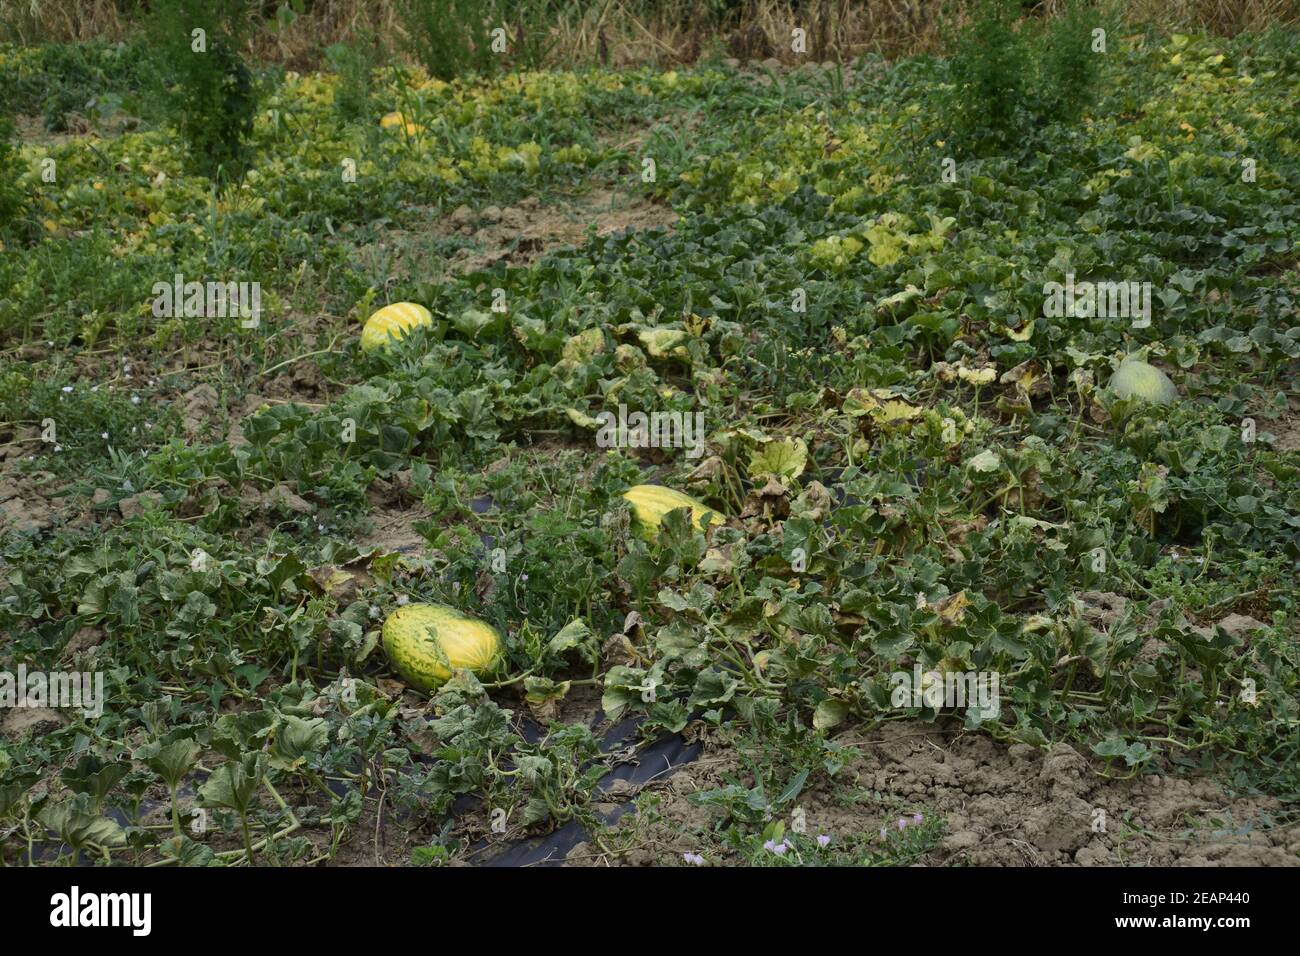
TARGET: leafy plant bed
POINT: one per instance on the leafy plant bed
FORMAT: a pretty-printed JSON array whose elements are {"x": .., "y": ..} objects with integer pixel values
[{"x": 963, "y": 576}]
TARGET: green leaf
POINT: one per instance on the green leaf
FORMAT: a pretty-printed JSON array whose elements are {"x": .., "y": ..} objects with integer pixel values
[
  {"x": 663, "y": 343},
  {"x": 171, "y": 761},
  {"x": 575, "y": 634},
  {"x": 623, "y": 688},
  {"x": 93, "y": 776},
  {"x": 542, "y": 694},
  {"x": 793, "y": 788},
  {"x": 471, "y": 322},
  {"x": 785, "y": 459},
  {"x": 234, "y": 784},
  {"x": 713, "y": 687},
  {"x": 296, "y": 739},
  {"x": 233, "y": 734},
  {"x": 78, "y": 825},
  {"x": 985, "y": 461},
  {"x": 286, "y": 569}
]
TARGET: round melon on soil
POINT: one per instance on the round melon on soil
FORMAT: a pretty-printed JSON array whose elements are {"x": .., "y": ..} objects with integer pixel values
[
  {"x": 427, "y": 642},
  {"x": 393, "y": 322},
  {"x": 1137, "y": 379}
]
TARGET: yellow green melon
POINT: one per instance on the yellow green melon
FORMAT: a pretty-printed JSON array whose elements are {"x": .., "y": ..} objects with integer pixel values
[
  {"x": 393, "y": 322},
  {"x": 427, "y": 642},
  {"x": 398, "y": 121},
  {"x": 651, "y": 502},
  {"x": 1137, "y": 379}
]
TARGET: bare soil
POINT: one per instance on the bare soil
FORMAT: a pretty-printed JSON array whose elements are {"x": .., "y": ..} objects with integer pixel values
[{"x": 1003, "y": 806}]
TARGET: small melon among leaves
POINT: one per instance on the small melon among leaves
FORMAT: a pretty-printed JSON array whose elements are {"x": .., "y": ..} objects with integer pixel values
[
  {"x": 392, "y": 323},
  {"x": 396, "y": 120},
  {"x": 1137, "y": 379}
]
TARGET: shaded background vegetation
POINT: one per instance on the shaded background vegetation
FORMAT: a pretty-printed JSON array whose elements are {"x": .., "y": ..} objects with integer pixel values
[{"x": 617, "y": 32}]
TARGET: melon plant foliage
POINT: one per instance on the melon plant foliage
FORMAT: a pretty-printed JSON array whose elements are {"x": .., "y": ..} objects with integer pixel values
[
  {"x": 12, "y": 198},
  {"x": 908, "y": 464}
]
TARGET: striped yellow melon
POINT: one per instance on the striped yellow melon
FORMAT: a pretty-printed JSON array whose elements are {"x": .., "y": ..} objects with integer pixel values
[
  {"x": 651, "y": 502},
  {"x": 426, "y": 642},
  {"x": 393, "y": 321}
]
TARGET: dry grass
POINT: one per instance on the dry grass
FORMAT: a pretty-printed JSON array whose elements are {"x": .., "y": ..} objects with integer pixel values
[
  {"x": 622, "y": 32},
  {"x": 1225, "y": 17},
  {"x": 660, "y": 32}
]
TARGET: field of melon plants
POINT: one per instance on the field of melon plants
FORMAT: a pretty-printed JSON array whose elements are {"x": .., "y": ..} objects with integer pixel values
[{"x": 749, "y": 463}]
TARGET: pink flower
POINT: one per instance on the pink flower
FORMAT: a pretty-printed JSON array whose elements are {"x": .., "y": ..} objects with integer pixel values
[{"x": 823, "y": 840}]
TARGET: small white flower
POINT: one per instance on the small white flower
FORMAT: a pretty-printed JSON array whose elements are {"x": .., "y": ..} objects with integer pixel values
[
  {"x": 135, "y": 399},
  {"x": 403, "y": 599},
  {"x": 67, "y": 388}
]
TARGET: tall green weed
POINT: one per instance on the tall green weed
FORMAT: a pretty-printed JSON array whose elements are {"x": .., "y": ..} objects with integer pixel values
[
  {"x": 202, "y": 85},
  {"x": 452, "y": 38},
  {"x": 1011, "y": 77}
]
